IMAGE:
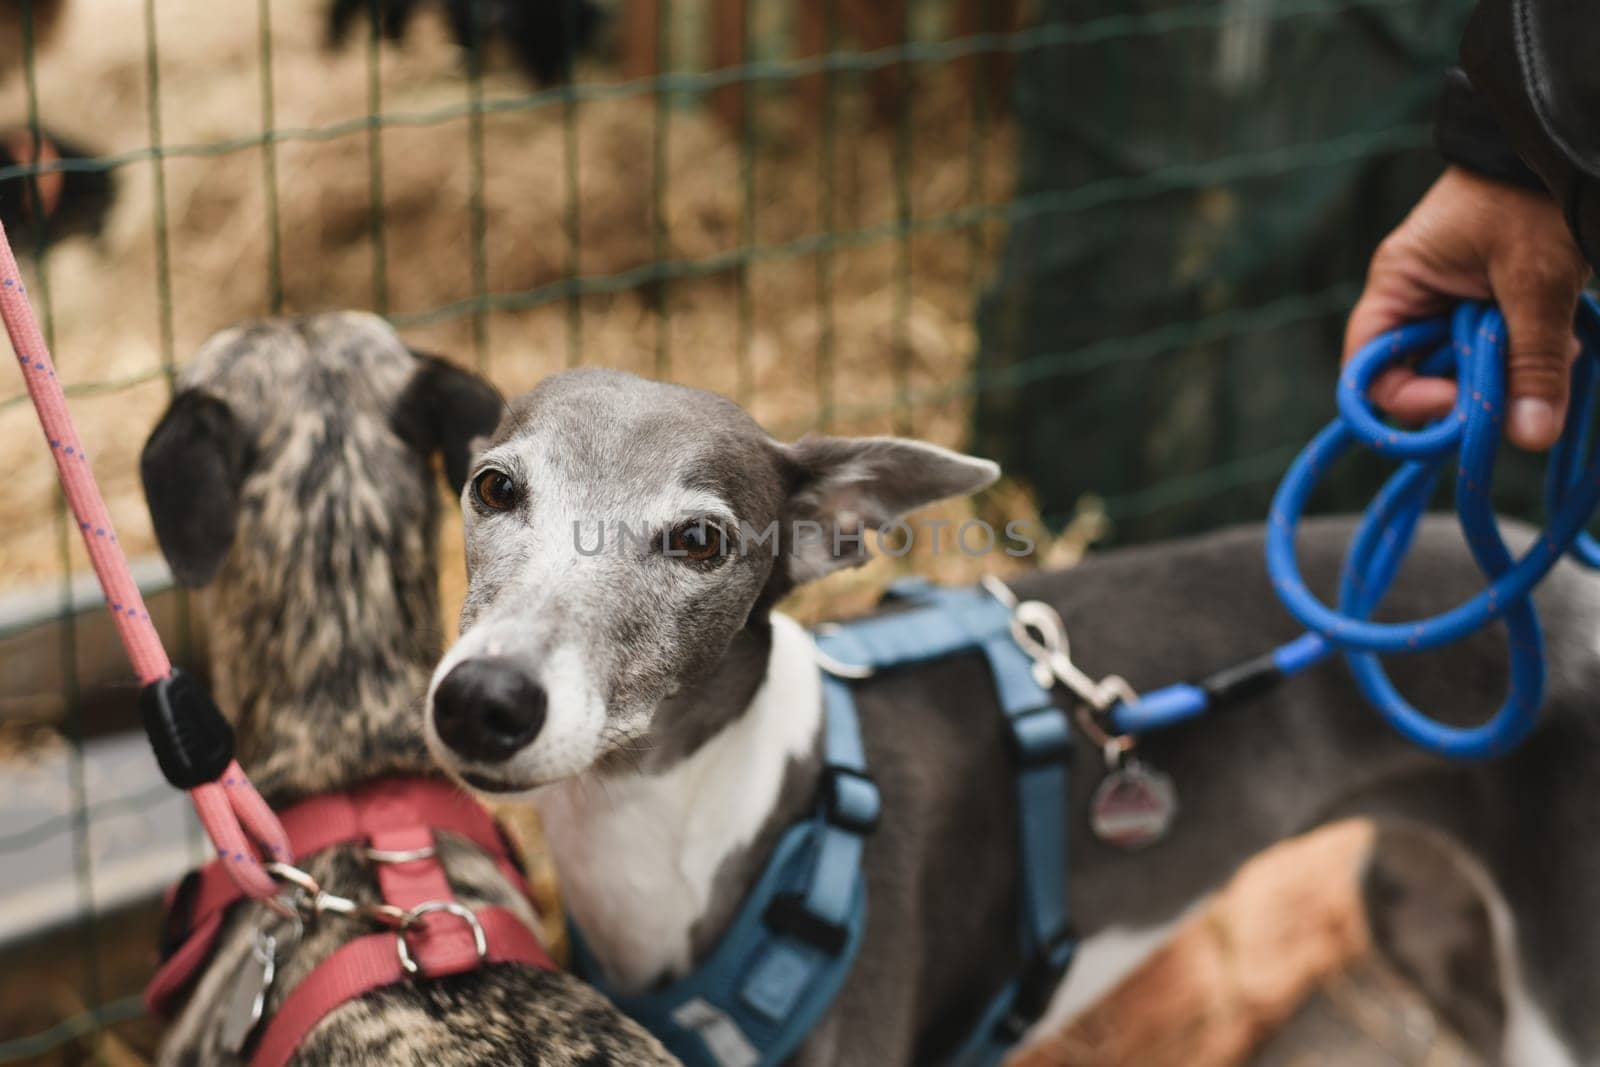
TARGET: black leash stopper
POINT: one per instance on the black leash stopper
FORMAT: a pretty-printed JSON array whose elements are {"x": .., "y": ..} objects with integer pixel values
[{"x": 193, "y": 743}]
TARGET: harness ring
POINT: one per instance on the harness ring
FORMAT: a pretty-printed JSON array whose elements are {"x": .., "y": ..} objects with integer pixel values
[
  {"x": 410, "y": 855},
  {"x": 480, "y": 941}
]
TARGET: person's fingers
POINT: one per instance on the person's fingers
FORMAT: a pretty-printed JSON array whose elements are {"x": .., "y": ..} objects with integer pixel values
[
  {"x": 1410, "y": 397},
  {"x": 1539, "y": 298},
  {"x": 1371, "y": 316},
  {"x": 1387, "y": 299},
  {"x": 1392, "y": 297},
  {"x": 1405, "y": 283}
]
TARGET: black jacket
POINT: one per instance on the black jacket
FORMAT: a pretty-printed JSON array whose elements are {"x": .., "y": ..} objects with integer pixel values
[{"x": 1525, "y": 107}]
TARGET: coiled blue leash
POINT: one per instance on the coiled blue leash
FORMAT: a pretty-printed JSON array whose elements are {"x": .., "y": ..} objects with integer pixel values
[{"x": 1470, "y": 346}]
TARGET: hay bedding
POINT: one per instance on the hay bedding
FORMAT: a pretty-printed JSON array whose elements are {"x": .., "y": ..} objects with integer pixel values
[{"x": 104, "y": 293}]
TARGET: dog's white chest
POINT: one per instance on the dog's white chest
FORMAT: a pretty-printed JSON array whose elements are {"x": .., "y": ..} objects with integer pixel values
[{"x": 640, "y": 856}]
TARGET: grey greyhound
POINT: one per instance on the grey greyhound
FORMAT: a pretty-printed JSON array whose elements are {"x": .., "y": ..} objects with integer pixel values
[
  {"x": 292, "y": 475},
  {"x": 664, "y": 720}
]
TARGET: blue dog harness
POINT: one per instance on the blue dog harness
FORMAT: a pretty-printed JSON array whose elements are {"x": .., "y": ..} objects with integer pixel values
[{"x": 787, "y": 953}]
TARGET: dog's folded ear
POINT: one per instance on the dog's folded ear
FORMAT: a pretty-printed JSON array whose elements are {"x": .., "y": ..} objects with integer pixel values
[
  {"x": 448, "y": 410},
  {"x": 192, "y": 467},
  {"x": 848, "y": 485}
]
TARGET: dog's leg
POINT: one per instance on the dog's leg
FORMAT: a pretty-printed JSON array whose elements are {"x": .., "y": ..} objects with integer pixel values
[
  {"x": 1520, "y": 838},
  {"x": 1541, "y": 880},
  {"x": 1544, "y": 989},
  {"x": 1535, "y": 1036},
  {"x": 1428, "y": 919}
]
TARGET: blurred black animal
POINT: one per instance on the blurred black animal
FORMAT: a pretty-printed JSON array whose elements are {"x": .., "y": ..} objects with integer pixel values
[
  {"x": 545, "y": 36},
  {"x": 54, "y": 201}
]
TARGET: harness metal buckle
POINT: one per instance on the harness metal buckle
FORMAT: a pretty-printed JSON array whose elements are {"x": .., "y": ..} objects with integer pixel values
[
  {"x": 852, "y": 672},
  {"x": 480, "y": 941},
  {"x": 410, "y": 855}
]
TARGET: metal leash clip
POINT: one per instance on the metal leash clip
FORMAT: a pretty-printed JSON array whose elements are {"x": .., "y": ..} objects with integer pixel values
[
  {"x": 1134, "y": 804},
  {"x": 305, "y": 900},
  {"x": 298, "y": 898},
  {"x": 1038, "y": 630}
]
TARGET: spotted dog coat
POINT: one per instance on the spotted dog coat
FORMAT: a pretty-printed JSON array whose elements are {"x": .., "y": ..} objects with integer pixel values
[{"x": 292, "y": 476}]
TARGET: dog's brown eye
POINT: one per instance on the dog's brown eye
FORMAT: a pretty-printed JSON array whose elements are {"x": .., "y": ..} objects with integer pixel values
[
  {"x": 495, "y": 490},
  {"x": 698, "y": 541}
]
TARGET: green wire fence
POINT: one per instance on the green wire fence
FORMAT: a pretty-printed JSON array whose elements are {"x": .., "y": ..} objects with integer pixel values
[{"x": 1157, "y": 296}]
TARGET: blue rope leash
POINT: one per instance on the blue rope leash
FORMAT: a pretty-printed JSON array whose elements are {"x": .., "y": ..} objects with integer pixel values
[{"x": 1469, "y": 346}]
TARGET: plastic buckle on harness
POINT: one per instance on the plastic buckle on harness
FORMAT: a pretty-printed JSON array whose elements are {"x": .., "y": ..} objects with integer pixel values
[
  {"x": 1037, "y": 985},
  {"x": 1041, "y": 735},
  {"x": 788, "y": 915},
  {"x": 849, "y": 799}
]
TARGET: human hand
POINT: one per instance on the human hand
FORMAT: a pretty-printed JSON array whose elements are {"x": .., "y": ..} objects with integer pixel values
[{"x": 1475, "y": 238}]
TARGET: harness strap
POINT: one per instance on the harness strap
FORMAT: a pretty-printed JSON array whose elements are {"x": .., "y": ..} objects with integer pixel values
[
  {"x": 944, "y": 622},
  {"x": 396, "y": 819},
  {"x": 1041, "y": 737},
  {"x": 372, "y": 962},
  {"x": 922, "y": 633},
  {"x": 850, "y": 809},
  {"x": 788, "y": 951},
  {"x": 176, "y": 972},
  {"x": 321, "y": 822}
]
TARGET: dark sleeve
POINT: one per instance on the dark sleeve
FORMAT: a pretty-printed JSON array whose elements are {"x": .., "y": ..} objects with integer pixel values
[
  {"x": 1467, "y": 135},
  {"x": 1535, "y": 67}
]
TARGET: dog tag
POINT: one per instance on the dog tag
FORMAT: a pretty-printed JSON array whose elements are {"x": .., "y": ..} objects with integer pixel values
[
  {"x": 1133, "y": 806},
  {"x": 247, "y": 995}
]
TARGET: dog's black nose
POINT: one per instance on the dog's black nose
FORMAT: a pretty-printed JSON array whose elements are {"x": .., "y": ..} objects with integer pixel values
[{"x": 487, "y": 709}]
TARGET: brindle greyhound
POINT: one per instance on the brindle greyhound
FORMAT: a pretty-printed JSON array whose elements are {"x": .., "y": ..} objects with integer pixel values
[
  {"x": 293, "y": 474},
  {"x": 665, "y": 720}
]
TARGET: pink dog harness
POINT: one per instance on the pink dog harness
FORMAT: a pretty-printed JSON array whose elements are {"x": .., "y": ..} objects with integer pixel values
[{"x": 426, "y": 932}]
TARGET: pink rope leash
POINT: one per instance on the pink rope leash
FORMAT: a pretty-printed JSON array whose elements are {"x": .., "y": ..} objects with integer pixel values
[{"x": 235, "y": 817}]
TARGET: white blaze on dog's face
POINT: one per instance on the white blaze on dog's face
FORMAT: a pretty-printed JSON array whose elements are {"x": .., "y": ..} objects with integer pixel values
[{"x": 620, "y": 533}]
